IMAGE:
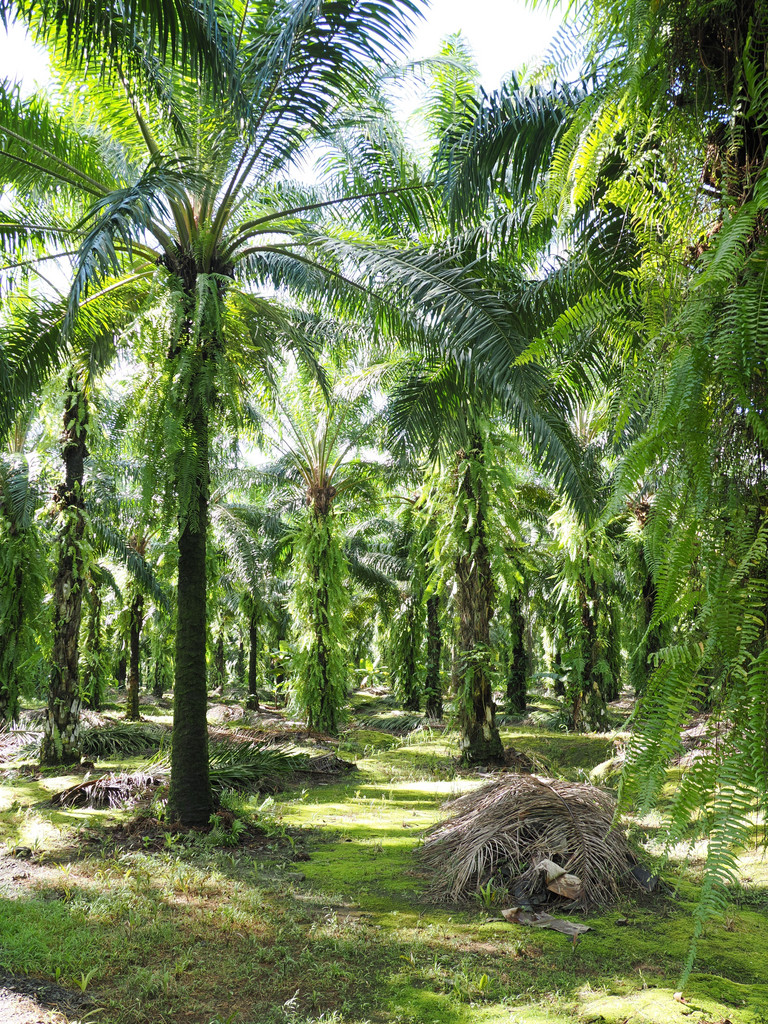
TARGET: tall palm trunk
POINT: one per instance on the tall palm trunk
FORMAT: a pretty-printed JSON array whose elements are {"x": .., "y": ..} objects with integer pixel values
[
  {"x": 320, "y": 665},
  {"x": 93, "y": 668},
  {"x": 517, "y": 694},
  {"x": 588, "y": 700},
  {"x": 480, "y": 740},
  {"x": 240, "y": 673},
  {"x": 61, "y": 730},
  {"x": 134, "y": 660},
  {"x": 252, "y": 700},
  {"x": 136, "y": 621},
  {"x": 432, "y": 686},
  {"x": 324, "y": 714},
  {"x": 405, "y": 651},
  {"x": 190, "y": 800},
  {"x": 219, "y": 663},
  {"x": 11, "y": 621},
  {"x": 121, "y": 668}
]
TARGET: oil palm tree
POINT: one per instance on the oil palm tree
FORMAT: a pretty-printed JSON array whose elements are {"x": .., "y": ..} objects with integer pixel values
[
  {"x": 319, "y": 447},
  {"x": 673, "y": 126},
  {"x": 186, "y": 199},
  {"x": 22, "y": 574}
]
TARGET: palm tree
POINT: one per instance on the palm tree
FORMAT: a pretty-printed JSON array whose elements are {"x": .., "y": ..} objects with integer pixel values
[
  {"x": 319, "y": 444},
  {"x": 673, "y": 130},
  {"x": 192, "y": 209},
  {"x": 448, "y": 405},
  {"x": 22, "y": 575},
  {"x": 406, "y": 629}
]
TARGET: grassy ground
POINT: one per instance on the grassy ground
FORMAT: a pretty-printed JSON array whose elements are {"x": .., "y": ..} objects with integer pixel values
[{"x": 321, "y": 913}]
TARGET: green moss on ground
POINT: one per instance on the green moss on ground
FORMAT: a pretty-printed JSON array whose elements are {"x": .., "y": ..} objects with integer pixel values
[{"x": 254, "y": 935}]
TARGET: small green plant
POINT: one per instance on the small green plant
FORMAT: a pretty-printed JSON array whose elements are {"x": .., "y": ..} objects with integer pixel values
[
  {"x": 487, "y": 897},
  {"x": 470, "y": 987},
  {"x": 222, "y": 834},
  {"x": 171, "y": 841},
  {"x": 84, "y": 980}
]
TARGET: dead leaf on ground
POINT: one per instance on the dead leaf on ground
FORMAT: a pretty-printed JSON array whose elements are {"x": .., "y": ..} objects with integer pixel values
[
  {"x": 560, "y": 881},
  {"x": 538, "y": 919}
]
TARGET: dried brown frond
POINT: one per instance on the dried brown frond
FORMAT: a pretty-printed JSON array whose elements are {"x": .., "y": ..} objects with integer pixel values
[{"x": 111, "y": 790}]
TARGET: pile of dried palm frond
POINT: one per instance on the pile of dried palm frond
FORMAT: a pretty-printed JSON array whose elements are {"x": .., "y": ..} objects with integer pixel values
[
  {"x": 503, "y": 831},
  {"x": 115, "y": 789}
]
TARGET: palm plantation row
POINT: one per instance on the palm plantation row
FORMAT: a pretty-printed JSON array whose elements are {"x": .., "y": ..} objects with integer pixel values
[{"x": 495, "y": 410}]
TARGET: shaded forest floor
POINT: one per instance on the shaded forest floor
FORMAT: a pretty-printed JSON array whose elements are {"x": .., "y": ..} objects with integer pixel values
[{"x": 318, "y": 910}]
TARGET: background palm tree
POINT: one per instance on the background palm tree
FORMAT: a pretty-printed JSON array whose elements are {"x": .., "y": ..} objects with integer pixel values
[
  {"x": 22, "y": 576},
  {"x": 320, "y": 442}
]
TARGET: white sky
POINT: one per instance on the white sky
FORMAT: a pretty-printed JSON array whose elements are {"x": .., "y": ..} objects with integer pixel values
[{"x": 504, "y": 35}]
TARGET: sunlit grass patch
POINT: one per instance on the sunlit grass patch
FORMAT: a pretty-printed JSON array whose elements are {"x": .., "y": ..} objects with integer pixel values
[{"x": 184, "y": 930}]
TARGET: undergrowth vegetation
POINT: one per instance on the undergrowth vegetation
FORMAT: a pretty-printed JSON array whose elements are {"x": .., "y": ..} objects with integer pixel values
[{"x": 309, "y": 905}]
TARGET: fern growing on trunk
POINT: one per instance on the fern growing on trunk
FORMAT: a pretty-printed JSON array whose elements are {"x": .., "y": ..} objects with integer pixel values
[{"x": 320, "y": 684}]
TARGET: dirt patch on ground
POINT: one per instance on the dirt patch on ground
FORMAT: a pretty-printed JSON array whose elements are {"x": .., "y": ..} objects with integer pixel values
[
  {"x": 29, "y": 1001},
  {"x": 18, "y": 874}
]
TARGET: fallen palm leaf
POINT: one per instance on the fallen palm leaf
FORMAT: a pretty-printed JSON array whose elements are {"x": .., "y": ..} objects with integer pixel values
[
  {"x": 538, "y": 919},
  {"x": 122, "y": 740},
  {"x": 327, "y": 764},
  {"x": 252, "y": 766}
]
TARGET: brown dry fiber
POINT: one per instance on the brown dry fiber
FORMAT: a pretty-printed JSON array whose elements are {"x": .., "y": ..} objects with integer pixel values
[
  {"x": 519, "y": 821},
  {"x": 111, "y": 790}
]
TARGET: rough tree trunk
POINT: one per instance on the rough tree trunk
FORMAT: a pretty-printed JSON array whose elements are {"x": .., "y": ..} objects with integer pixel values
[
  {"x": 157, "y": 685},
  {"x": 480, "y": 740},
  {"x": 517, "y": 693},
  {"x": 409, "y": 670},
  {"x": 326, "y": 715},
  {"x": 190, "y": 800},
  {"x": 219, "y": 663},
  {"x": 134, "y": 661},
  {"x": 240, "y": 675},
  {"x": 92, "y": 687},
  {"x": 121, "y": 671},
  {"x": 432, "y": 684},
  {"x": 588, "y": 700},
  {"x": 61, "y": 730},
  {"x": 320, "y": 667},
  {"x": 252, "y": 701},
  {"x": 13, "y": 620}
]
